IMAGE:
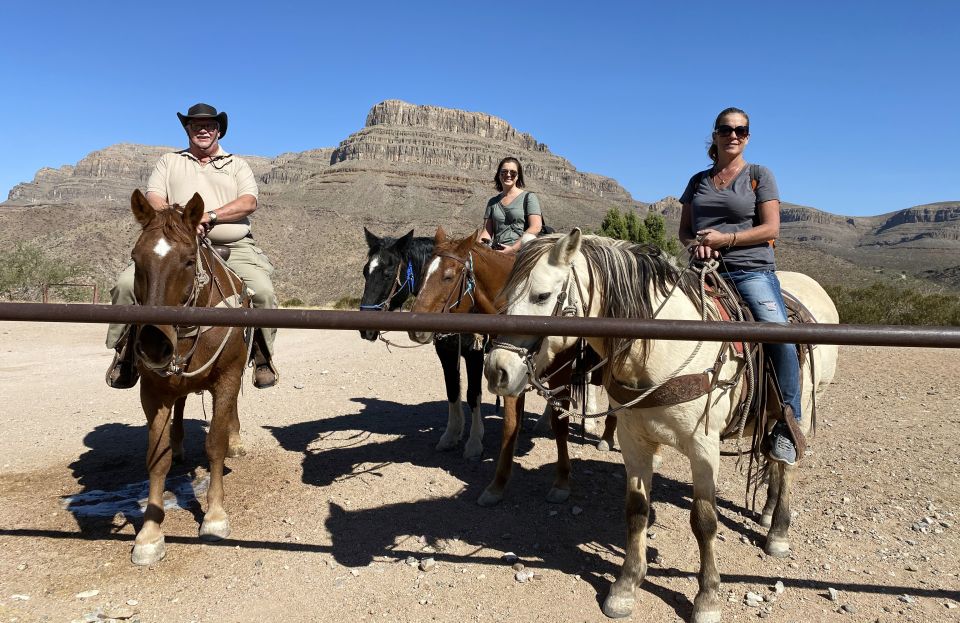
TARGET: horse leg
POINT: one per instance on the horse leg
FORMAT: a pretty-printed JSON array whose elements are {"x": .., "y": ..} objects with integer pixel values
[
  {"x": 778, "y": 543},
  {"x": 451, "y": 376},
  {"x": 773, "y": 494},
  {"x": 609, "y": 431},
  {"x": 512, "y": 416},
  {"x": 215, "y": 524},
  {"x": 176, "y": 430},
  {"x": 149, "y": 546},
  {"x": 545, "y": 421},
  {"x": 638, "y": 461},
  {"x": 474, "y": 446},
  {"x": 703, "y": 522},
  {"x": 235, "y": 447},
  {"x": 560, "y": 491}
]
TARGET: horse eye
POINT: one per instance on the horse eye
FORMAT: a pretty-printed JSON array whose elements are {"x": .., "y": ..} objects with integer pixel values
[{"x": 543, "y": 298}]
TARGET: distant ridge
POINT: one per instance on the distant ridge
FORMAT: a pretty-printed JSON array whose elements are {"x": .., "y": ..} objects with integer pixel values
[{"x": 420, "y": 167}]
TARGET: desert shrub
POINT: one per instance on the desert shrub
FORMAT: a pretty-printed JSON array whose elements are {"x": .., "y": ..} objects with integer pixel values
[
  {"x": 347, "y": 302},
  {"x": 651, "y": 230},
  {"x": 882, "y": 303},
  {"x": 25, "y": 269},
  {"x": 294, "y": 302}
]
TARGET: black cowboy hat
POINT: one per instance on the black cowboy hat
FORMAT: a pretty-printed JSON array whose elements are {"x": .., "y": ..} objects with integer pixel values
[{"x": 205, "y": 111}]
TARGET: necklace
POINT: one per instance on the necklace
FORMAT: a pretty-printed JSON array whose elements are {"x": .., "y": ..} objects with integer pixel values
[{"x": 724, "y": 182}]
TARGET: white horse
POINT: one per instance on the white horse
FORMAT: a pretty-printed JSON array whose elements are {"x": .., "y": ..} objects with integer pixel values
[{"x": 600, "y": 277}]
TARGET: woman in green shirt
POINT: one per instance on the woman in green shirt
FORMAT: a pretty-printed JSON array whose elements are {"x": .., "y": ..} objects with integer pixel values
[{"x": 512, "y": 215}]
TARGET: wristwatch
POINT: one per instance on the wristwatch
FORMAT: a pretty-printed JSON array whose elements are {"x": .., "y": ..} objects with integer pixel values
[{"x": 213, "y": 218}]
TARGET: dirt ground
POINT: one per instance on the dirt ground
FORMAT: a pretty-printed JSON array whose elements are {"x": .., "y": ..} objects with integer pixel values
[{"x": 342, "y": 498}]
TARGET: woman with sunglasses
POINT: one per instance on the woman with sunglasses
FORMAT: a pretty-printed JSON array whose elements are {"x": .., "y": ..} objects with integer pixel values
[
  {"x": 512, "y": 216},
  {"x": 731, "y": 213}
]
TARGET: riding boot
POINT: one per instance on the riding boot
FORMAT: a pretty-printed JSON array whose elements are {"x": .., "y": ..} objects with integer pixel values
[
  {"x": 123, "y": 373},
  {"x": 264, "y": 373}
]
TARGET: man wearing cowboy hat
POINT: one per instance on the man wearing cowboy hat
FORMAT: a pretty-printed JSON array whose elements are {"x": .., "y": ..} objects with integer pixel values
[{"x": 229, "y": 192}]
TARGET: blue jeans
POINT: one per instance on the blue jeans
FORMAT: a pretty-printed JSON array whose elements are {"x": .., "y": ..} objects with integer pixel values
[{"x": 761, "y": 291}]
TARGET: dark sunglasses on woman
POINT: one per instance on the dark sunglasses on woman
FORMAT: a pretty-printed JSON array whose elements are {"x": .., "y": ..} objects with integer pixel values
[
  {"x": 742, "y": 131},
  {"x": 507, "y": 173}
]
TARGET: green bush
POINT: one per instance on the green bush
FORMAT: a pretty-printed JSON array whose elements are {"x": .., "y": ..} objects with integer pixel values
[
  {"x": 25, "y": 270},
  {"x": 882, "y": 303},
  {"x": 294, "y": 302},
  {"x": 651, "y": 230}
]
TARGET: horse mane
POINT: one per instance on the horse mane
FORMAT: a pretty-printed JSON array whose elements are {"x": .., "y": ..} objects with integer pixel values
[{"x": 626, "y": 273}]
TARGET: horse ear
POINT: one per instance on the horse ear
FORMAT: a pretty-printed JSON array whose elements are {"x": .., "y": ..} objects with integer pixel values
[
  {"x": 372, "y": 241},
  {"x": 404, "y": 242},
  {"x": 440, "y": 237},
  {"x": 141, "y": 208},
  {"x": 193, "y": 211},
  {"x": 566, "y": 248}
]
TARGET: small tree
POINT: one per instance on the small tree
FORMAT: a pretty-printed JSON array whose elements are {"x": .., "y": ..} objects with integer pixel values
[{"x": 651, "y": 230}]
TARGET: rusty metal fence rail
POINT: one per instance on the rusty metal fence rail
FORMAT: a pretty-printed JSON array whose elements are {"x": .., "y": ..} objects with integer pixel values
[{"x": 865, "y": 335}]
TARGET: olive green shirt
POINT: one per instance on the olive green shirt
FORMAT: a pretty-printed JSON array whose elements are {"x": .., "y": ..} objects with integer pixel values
[{"x": 510, "y": 221}]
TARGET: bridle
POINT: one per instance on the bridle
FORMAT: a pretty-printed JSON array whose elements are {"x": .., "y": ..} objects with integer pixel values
[
  {"x": 203, "y": 275},
  {"x": 466, "y": 284},
  {"x": 395, "y": 289},
  {"x": 567, "y": 305}
]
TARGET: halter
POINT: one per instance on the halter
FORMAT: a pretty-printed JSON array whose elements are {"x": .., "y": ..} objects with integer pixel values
[{"x": 395, "y": 289}]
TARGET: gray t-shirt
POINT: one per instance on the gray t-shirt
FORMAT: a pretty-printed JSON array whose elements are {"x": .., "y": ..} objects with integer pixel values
[
  {"x": 510, "y": 221},
  {"x": 731, "y": 209}
]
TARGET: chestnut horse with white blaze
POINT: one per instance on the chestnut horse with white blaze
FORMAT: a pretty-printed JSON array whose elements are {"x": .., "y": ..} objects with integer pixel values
[
  {"x": 601, "y": 277},
  {"x": 172, "y": 268}
]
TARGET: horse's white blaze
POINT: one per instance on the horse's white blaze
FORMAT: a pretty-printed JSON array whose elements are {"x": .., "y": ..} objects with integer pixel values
[
  {"x": 162, "y": 248},
  {"x": 373, "y": 265},
  {"x": 432, "y": 268}
]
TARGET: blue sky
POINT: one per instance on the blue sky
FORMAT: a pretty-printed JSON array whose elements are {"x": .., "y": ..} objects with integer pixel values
[{"x": 853, "y": 105}]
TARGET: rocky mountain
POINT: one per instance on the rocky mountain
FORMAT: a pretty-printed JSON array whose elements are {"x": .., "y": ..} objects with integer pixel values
[{"x": 419, "y": 167}]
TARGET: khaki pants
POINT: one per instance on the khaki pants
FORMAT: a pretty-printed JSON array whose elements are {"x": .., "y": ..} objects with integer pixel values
[{"x": 246, "y": 259}]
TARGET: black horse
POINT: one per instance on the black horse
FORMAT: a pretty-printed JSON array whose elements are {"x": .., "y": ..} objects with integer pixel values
[{"x": 391, "y": 275}]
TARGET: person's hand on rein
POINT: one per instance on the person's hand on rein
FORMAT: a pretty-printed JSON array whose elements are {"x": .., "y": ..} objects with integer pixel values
[{"x": 709, "y": 241}]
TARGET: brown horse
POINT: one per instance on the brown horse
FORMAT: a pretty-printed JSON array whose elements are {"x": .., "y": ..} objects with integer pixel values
[
  {"x": 465, "y": 276},
  {"x": 174, "y": 269}
]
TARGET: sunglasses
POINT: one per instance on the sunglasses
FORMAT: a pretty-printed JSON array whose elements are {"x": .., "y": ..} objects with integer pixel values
[
  {"x": 742, "y": 131},
  {"x": 508, "y": 173},
  {"x": 209, "y": 126}
]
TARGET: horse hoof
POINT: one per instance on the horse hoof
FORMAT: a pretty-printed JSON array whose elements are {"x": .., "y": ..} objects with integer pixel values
[
  {"x": 706, "y": 616},
  {"x": 214, "y": 530},
  {"x": 489, "y": 498},
  {"x": 148, "y": 553},
  {"x": 447, "y": 443},
  {"x": 236, "y": 450},
  {"x": 778, "y": 548},
  {"x": 618, "y": 607},
  {"x": 766, "y": 520},
  {"x": 603, "y": 446},
  {"x": 473, "y": 453},
  {"x": 557, "y": 495}
]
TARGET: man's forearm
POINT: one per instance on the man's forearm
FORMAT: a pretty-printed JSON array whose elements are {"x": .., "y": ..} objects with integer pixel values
[{"x": 242, "y": 206}]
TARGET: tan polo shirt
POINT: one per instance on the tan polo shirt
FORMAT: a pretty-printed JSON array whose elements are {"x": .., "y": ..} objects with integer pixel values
[{"x": 178, "y": 175}]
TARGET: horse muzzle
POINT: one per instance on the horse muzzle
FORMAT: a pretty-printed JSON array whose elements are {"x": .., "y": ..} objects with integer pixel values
[
  {"x": 505, "y": 372},
  {"x": 156, "y": 345}
]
